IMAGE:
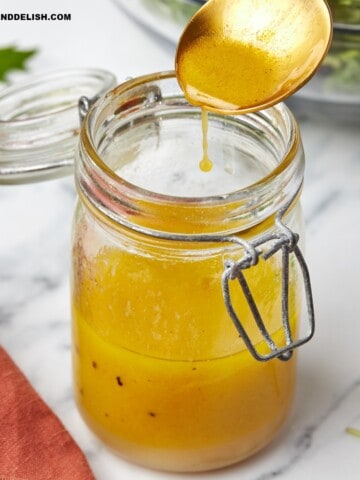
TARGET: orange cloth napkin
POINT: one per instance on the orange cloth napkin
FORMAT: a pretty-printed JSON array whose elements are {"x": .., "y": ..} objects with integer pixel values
[{"x": 34, "y": 444}]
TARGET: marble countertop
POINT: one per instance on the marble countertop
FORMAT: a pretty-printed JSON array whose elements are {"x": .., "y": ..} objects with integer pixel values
[{"x": 35, "y": 248}]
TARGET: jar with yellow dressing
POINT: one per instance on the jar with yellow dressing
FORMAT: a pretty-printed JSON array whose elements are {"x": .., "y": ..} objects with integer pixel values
[{"x": 187, "y": 285}]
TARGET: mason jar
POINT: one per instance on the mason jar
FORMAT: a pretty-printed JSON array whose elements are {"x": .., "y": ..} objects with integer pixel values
[
  {"x": 187, "y": 286},
  {"x": 39, "y": 122}
]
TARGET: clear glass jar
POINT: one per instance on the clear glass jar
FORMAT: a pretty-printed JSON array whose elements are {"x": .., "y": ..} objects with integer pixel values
[
  {"x": 39, "y": 122},
  {"x": 161, "y": 374}
]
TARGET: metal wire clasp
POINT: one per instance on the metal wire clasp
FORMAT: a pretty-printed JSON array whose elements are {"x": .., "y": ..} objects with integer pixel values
[{"x": 287, "y": 241}]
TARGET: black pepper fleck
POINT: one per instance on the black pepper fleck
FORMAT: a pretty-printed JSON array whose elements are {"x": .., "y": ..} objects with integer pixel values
[
  {"x": 94, "y": 364},
  {"x": 82, "y": 392},
  {"x": 119, "y": 382},
  {"x": 152, "y": 414}
]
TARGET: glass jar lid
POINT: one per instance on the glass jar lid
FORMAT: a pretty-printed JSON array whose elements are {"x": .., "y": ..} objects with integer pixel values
[{"x": 40, "y": 123}]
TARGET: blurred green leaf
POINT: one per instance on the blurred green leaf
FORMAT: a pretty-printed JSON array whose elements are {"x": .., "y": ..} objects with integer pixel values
[{"x": 13, "y": 59}]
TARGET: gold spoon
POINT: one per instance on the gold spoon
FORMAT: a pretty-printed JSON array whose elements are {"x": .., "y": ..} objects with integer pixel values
[{"x": 238, "y": 56}]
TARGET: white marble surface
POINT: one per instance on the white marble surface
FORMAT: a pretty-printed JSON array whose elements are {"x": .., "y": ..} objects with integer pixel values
[{"x": 34, "y": 262}]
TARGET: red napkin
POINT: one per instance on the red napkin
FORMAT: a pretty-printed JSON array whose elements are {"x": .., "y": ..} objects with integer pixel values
[{"x": 34, "y": 444}]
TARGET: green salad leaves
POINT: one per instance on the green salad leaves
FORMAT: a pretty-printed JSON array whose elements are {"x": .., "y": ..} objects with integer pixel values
[
  {"x": 179, "y": 11},
  {"x": 345, "y": 11}
]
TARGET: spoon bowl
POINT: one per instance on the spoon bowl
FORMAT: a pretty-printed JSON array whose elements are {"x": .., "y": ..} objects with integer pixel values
[{"x": 239, "y": 56}]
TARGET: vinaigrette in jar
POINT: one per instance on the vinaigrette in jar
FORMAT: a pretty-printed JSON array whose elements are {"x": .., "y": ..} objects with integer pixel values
[{"x": 161, "y": 373}]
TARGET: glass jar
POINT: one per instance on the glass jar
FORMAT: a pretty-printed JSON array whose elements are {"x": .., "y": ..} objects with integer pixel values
[
  {"x": 167, "y": 258},
  {"x": 39, "y": 122}
]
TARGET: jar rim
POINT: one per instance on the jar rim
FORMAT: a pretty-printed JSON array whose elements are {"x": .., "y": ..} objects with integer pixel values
[
  {"x": 39, "y": 122},
  {"x": 282, "y": 174},
  {"x": 91, "y": 149}
]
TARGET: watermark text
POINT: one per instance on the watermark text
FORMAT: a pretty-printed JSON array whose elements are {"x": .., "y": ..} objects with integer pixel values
[{"x": 35, "y": 17}]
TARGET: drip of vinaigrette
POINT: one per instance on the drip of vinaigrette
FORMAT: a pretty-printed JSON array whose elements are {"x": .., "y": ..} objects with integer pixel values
[{"x": 205, "y": 164}]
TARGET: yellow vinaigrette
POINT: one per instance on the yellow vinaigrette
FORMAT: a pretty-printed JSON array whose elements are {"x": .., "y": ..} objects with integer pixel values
[
  {"x": 160, "y": 371},
  {"x": 203, "y": 78}
]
